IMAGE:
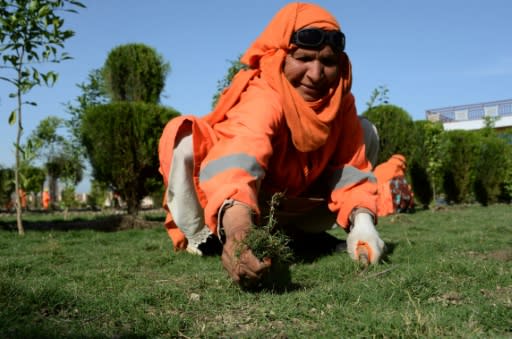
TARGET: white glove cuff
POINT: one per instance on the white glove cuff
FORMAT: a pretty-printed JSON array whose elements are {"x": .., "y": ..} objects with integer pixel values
[{"x": 363, "y": 222}]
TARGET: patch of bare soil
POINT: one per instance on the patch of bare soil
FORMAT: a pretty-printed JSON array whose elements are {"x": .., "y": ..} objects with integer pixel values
[
  {"x": 448, "y": 298},
  {"x": 501, "y": 295},
  {"x": 498, "y": 255},
  {"x": 501, "y": 255}
]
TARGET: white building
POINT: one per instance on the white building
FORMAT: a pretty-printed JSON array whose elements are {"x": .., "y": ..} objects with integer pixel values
[{"x": 470, "y": 117}]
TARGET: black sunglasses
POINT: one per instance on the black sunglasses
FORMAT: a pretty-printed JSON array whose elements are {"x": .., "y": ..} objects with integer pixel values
[{"x": 315, "y": 38}]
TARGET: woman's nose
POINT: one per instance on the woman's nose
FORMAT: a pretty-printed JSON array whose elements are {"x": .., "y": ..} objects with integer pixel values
[{"x": 315, "y": 71}]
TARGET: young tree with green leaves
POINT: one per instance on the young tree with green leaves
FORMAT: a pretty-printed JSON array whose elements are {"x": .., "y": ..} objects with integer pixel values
[
  {"x": 93, "y": 93},
  {"x": 97, "y": 195},
  {"x": 61, "y": 160},
  {"x": 31, "y": 32},
  {"x": 379, "y": 95},
  {"x": 235, "y": 67}
]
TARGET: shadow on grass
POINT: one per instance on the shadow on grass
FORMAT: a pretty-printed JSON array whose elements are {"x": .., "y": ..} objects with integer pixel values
[
  {"x": 307, "y": 248},
  {"x": 40, "y": 313},
  {"x": 314, "y": 246},
  {"x": 311, "y": 247},
  {"x": 277, "y": 281},
  {"x": 111, "y": 223},
  {"x": 388, "y": 251}
]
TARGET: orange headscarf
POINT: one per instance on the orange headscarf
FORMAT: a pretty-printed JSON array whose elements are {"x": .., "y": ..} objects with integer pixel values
[{"x": 309, "y": 123}]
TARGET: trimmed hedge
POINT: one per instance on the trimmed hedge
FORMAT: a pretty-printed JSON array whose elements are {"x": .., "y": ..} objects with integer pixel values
[
  {"x": 121, "y": 140},
  {"x": 460, "y": 154},
  {"x": 491, "y": 168},
  {"x": 395, "y": 128},
  {"x": 475, "y": 166},
  {"x": 462, "y": 166}
]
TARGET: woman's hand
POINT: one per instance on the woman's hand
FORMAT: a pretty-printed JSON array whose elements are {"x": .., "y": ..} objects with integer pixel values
[{"x": 242, "y": 266}]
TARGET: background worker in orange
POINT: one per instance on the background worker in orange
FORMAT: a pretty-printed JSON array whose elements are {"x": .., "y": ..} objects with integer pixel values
[
  {"x": 287, "y": 124},
  {"x": 392, "y": 169},
  {"x": 46, "y": 199},
  {"x": 23, "y": 198}
]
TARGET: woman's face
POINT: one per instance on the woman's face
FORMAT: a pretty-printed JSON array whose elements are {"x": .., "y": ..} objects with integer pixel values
[{"x": 312, "y": 72}]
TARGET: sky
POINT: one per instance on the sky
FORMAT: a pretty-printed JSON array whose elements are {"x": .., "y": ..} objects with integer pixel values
[{"x": 428, "y": 54}]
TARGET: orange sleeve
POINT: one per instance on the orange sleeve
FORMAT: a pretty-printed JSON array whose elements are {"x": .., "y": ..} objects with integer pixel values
[
  {"x": 353, "y": 184},
  {"x": 385, "y": 171},
  {"x": 237, "y": 163}
]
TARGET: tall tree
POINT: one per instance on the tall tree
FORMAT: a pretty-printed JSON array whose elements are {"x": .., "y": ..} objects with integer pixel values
[
  {"x": 135, "y": 72},
  {"x": 31, "y": 33}
]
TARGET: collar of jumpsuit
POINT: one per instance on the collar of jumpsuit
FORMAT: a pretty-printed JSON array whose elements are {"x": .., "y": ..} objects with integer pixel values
[{"x": 308, "y": 122}]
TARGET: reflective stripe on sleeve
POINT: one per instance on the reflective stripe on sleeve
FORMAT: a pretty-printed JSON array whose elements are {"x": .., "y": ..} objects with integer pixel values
[
  {"x": 243, "y": 161},
  {"x": 349, "y": 175}
]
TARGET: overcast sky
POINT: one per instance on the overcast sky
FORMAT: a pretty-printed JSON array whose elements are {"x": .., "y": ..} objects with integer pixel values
[{"x": 429, "y": 54}]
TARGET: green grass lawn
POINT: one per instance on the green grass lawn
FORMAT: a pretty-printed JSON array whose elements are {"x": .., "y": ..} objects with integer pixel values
[{"x": 448, "y": 274}]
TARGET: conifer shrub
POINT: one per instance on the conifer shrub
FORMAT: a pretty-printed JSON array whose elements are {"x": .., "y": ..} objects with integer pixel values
[
  {"x": 135, "y": 72},
  {"x": 395, "y": 127},
  {"x": 490, "y": 168},
  {"x": 460, "y": 155},
  {"x": 121, "y": 141},
  {"x": 420, "y": 182}
]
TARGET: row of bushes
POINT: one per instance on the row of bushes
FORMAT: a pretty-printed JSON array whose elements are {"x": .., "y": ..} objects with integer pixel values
[{"x": 459, "y": 166}]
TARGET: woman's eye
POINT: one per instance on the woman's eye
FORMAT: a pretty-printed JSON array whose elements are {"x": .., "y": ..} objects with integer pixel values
[
  {"x": 303, "y": 58},
  {"x": 329, "y": 61}
]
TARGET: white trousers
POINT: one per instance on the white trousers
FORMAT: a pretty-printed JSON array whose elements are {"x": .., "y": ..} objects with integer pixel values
[{"x": 182, "y": 199}]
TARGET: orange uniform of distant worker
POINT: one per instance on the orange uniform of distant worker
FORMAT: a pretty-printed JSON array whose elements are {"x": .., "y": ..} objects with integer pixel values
[
  {"x": 394, "y": 167},
  {"x": 46, "y": 200},
  {"x": 23, "y": 198}
]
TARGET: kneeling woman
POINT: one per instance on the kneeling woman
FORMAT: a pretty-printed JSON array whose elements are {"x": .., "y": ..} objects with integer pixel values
[{"x": 287, "y": 124}]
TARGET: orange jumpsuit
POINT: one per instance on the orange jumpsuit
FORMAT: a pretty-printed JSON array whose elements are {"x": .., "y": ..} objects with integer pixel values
[
  {"x": 264, "y": 138},
  {"x": 240, "y": 156},
  {"x": 46, "y": 200}
]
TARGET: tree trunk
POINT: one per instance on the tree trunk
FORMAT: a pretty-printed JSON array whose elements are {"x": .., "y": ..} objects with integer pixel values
[
  {"x": 132, "y": 202},
  {"x": 19, "y": 219},
  {"x": 53, "y": 187}
]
